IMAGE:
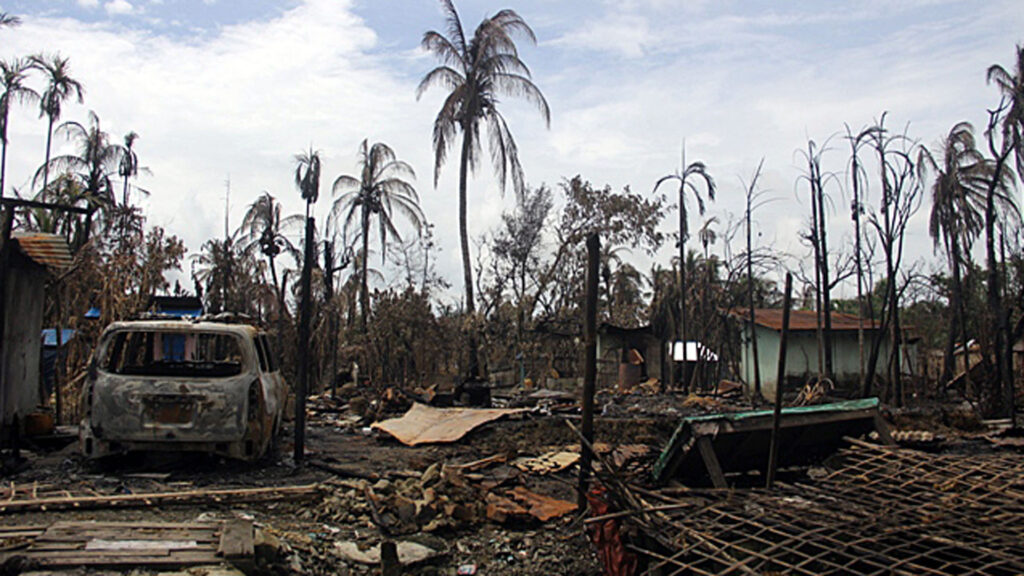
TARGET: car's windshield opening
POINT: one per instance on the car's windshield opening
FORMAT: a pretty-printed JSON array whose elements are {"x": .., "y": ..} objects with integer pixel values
[{"x": 158, "y": 353}]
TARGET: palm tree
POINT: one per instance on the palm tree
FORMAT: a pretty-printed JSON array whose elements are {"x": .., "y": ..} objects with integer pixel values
[
  {"x": 13, "y": 74},
  {"x": 380, "y": 190},
  {"x": 261, "y": 229},
  {"x": 476, "y": 71},
  {"x": 60, "y": 87},
  {"x": 1011, "y": 110},
  {"x": 95, "y": 161},
  {"x": 957, "y": 216},
  {"x": 129, "y": 165},
  {"x": 689, "y": 173},
  {"x": 1012, "y": 87},
  {"x": 8, "y": 20},
  {"x": 307, "y": 176}
]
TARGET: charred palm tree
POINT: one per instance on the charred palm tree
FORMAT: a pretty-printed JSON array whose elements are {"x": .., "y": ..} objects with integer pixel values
[
  {"x": 380, "y": 191},
  {"x": 8, "y": 20},
  {"x": 93, "y": 164},
  {"x": 957, "y": 217},
  {"x": 476, "y": 71},
  {"x": 60, "y": 86},
  {"x": 1008, "y": 120},
  {"x": 1011, "y": 85},
  {"x": 688, "y": 177},
  {"x": 13, "y": 74},
  {"x": 307, "y": 179},
  {"x": 262, "y": 230},
  {"x": 129, "y": 167}
]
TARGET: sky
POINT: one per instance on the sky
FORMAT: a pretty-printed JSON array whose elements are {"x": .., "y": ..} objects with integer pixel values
[{"x": 229, "y": 91}]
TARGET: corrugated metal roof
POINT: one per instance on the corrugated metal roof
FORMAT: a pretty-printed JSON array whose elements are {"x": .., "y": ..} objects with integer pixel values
[
  {"x": 802, "y": 319},
  {"x": 46, "y": 249}
]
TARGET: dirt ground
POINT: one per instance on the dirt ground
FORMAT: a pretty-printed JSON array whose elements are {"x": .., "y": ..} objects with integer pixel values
[
  {"x": 371, "y": 488},
  {"x": 355, "y": 466}
]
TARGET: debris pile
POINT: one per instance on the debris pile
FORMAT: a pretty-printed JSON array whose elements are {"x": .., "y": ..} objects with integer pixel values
[
  {"x": 444, "y": 497},
  {"x": 879, "y": 508}
]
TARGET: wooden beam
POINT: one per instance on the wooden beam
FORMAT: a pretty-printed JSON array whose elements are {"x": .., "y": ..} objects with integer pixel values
[
  {"x": 707, "y": 453},
  {"x": 160, "y": 498},
  {"x": 19, "y": 203}
]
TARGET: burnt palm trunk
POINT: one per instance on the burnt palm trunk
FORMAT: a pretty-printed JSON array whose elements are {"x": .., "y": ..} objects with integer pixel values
[
  {"x": 682, "y": 287},
  {"x": 46, "y": 165},
  {"x": 364, "y": 285},
  {"x": 995, "y": 301},
  {"x": 467, "y": 270},
  {"x": 815, "y": 232},
  {"x": 753, "y": 315},
  {"x": 865, "y": 391},
  {"x": 825, "y": 284},
  {"x": 3, "y": 160}
]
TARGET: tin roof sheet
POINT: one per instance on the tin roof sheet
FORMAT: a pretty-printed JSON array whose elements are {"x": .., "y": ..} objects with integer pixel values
[
  {"x": 804, "y": 319},
  {"x": 46, "y": 249}
]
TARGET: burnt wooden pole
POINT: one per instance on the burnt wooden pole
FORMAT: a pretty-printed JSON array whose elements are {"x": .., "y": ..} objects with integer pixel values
[
  {"x": 332, "y": 325},
  {"x": 589, "y": 364},
  {"x": 5, "y": 251},
  {"x": 773, "y": 451},
  {"x": 305, "y": 311}
]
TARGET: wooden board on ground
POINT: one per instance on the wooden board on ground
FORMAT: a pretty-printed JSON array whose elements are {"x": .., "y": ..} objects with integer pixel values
[{"x": 126, "y": 544}]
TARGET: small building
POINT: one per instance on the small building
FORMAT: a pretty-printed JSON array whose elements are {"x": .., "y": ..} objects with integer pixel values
[
  {"x": 628, "y": 356},
  {"x": 30, "y": 256},
  {"x": 802, "y": 348}
]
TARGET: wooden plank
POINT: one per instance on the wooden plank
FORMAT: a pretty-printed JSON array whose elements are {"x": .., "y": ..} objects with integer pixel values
[
  {"x": 204, "y": 536},
  {"x": 4, "y": 530},
  {"x": 20, "y": 534},
  {"x": 128, "y": 553},
  {"x": 89, "y": 524},
  {"x": 236, "y": 539},
  {"x": 161, "y": 498},
  {"x": 178, "y": 559},
  {"x": 707, "y": 453}
]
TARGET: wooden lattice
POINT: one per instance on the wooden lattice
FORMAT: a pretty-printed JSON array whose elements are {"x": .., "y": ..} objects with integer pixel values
[{"x": 883, "y": 511}]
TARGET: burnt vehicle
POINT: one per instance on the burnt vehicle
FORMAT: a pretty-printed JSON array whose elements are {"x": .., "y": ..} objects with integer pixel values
[{"x": 183, "y": 386}]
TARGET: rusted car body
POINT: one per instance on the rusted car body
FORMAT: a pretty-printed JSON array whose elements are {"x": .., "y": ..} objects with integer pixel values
[{"x": 178, "y": 385}]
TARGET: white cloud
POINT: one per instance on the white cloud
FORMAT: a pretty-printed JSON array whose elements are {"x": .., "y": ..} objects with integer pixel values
[
  {"x": 625, "y": 87},
  {"x": 624, "y": 34},
  {"x": 89, "y": 3},
  {"x": 118, "y": 7}
]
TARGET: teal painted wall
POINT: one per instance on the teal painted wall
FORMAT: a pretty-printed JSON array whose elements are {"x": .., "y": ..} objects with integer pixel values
[{"x": 802, "y": 357}]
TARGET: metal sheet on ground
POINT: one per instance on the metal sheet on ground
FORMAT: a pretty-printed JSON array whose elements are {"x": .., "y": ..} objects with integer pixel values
[{"x": 425, "y": 425}]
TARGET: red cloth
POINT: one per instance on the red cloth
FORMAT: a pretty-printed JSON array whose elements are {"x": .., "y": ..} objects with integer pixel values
[{"x": 617, "y": 561}]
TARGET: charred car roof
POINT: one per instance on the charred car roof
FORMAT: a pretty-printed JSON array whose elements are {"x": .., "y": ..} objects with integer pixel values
[{"x": 185, "y": 326}]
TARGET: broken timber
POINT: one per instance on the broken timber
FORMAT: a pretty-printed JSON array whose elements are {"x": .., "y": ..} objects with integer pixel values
[
  {"x": 269, "y": 494},
  {"x": 736, "y": 442},
  {"x": 883, "y": 511},
  {"x": 128, "y": 544}
]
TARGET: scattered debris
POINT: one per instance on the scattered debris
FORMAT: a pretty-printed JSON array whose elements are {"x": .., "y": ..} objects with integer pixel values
[
  {"x": 541, "y": 507},
  {"x": 883, "y": 507},
  {"x": 547, "y": 463},
  {"x": 425, "y": 425},
  {"x": 409, "y": 553}
]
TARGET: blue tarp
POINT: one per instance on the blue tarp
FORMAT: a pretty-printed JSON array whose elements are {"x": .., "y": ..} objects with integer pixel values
[{"x": 50, "y": 336}]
